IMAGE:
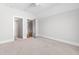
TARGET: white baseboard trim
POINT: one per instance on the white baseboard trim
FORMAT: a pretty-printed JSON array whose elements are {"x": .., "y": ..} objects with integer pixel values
[
  {"x": 60, "y": 40},
  {"x": 6, "y": 41}
]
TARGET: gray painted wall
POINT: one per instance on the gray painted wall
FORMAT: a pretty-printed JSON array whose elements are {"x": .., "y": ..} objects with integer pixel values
[{"x": 62, "y": 25}]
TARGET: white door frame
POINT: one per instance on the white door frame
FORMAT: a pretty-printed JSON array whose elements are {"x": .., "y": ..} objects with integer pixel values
[{"x": 14, "y": 34}]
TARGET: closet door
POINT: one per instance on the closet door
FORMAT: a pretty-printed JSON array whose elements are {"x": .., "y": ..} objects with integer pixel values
[{"x": 34, "y": 28}]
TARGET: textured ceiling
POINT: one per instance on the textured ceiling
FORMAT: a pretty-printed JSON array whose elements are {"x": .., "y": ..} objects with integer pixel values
[
  {"x": 44, "y": 9},
  {"x": 32, "y": 9}
]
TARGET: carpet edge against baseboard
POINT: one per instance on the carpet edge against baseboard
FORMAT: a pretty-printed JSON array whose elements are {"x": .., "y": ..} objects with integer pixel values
[
  {"x": 60, "y": 40},
  {"x": 6, "y": 41}
]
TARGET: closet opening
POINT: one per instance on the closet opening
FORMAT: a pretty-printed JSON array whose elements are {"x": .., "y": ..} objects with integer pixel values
[
  {"x": 18, "y": 28},
  {"x": 31, "y": 28}
]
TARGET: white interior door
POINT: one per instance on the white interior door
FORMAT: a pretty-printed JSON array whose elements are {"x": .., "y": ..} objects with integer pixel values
[{"x": 34, "y": 28}]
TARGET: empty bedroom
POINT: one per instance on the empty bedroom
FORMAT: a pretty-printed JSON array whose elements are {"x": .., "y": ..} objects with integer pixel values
[{"x": 39, "y": 28}]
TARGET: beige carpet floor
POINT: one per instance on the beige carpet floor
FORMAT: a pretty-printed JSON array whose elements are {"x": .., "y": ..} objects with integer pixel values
[{"x": 37, "y": 46}]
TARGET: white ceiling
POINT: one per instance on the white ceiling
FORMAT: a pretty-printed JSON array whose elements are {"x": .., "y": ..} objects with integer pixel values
[
  {"x": 44, "y": 10},
  {"x": 26, "y": 7}
]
